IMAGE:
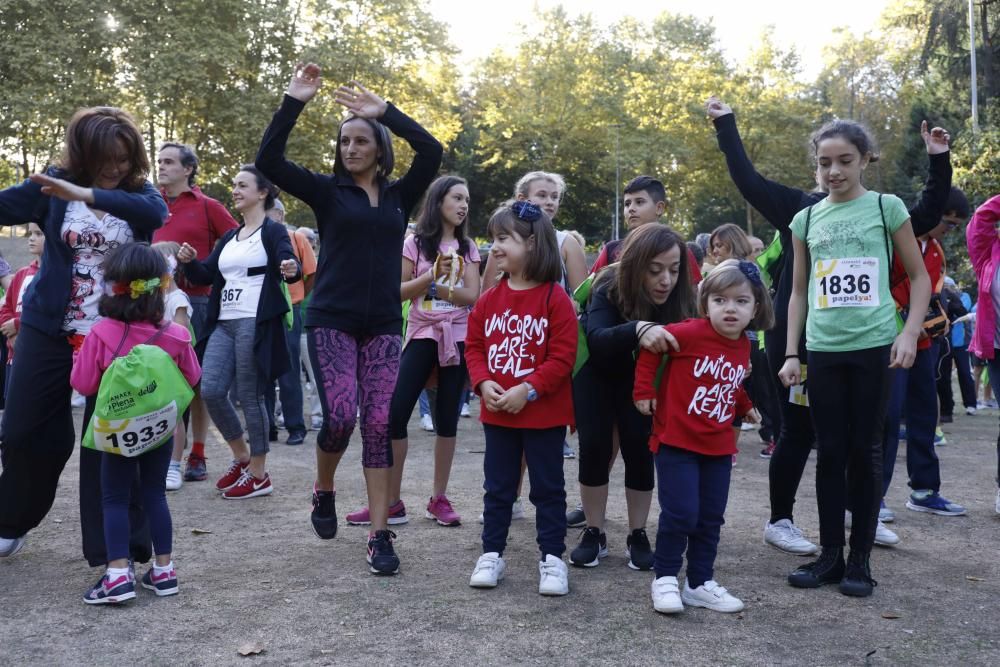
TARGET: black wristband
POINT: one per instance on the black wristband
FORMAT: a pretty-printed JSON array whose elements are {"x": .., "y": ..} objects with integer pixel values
[{"x": 791, "y": 356}]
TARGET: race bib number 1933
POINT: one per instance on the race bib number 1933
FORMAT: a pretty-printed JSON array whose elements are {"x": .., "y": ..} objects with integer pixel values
[{"x": 847, "y": 281}]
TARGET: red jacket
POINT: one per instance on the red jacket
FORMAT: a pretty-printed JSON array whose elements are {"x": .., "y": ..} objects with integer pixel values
[
  {"x": 705, "y": 389},
  {"x": 529, "y": 336},
  {"x": 934, "y": 261},
  {"x": 197, "y": 219},
  {"x": 11, "y": 308}
]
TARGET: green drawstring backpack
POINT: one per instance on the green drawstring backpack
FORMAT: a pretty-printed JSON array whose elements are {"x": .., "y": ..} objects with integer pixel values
[{"x": 141, "y": 397}]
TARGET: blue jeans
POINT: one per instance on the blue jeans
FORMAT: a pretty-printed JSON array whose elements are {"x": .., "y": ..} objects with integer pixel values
[
  {"x": 290, "y": 384},
  {"x": 693, "y": 490},
  {"x": 915, "y": 390},
  {"x": 425, "y": 404},
  {"x": 502, "y": 467}
]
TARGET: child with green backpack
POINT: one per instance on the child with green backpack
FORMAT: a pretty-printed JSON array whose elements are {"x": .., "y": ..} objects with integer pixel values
[{"x": 142, "y": 369}]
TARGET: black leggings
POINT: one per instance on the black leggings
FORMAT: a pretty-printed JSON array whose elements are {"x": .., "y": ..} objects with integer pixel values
[
  {"x": 848, "y": 393},
  {"x": 419, "y": 359},
  {"x": 600, "y": 403},
  {"x": 794, "y": 439}
]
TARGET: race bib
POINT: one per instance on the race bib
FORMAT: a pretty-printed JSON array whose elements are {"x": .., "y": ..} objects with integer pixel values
[
  {"x": 132, "y": 437},
  {"x": 847, "y": 281},
  {"x": 797, "y": 394},
  {"x": 429, "y": 305},
  {"x": 233, "y": 295}
]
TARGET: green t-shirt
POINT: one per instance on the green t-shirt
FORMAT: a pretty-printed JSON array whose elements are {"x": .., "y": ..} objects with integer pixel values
[{"x": 850, "y": 306}]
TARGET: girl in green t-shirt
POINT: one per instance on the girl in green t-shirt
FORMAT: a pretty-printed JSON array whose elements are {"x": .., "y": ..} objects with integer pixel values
[{"x": 843, "y": 248}]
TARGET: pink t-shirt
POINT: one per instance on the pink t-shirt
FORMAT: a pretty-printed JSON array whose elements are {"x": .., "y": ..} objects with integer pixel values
[{"x": 427, "y": 316}]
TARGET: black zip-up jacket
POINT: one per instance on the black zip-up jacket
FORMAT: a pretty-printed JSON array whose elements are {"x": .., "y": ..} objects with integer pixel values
[
  {"x": 779, "y": 203},
  {"x": 270, "y": 347},
  {"x": 357, "y": 280},
  {"x": 46, "y": 297}
]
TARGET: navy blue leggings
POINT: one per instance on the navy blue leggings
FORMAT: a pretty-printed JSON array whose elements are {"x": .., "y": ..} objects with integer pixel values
[
  {"x": 117, "y": 476},
  {"x": 693, "y": 490}
]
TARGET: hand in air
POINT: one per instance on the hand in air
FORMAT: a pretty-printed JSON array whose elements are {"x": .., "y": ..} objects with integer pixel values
[
  {"x": 361, "y": 101},
  {"x": 716, "y": 108},
  {"x": 305, "y": 82},
  {"x": 186, "y": 254},
  {"x": 937, "y": 140}
]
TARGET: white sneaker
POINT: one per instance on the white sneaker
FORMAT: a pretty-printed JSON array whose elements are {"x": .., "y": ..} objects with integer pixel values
[
  {"x": 427, "y": 423},
  {"x": 553, "y": 576},
  {"x": 78, "y": 401},
  {"x": 516, "y": 511},
  {"x": 465, "y": 410},
  {"x": 786, "y": 536},
  {"x": 711, "y": 595},
  {"x": 998, "y": 501},
  {"x": 316, "y": 421},
  {"x": 174, "y": 479},
  {"x": 489, "y": 571},
  {"x": 885, "y": 537},
  {"x": 970, "y": 411},
  {"x": 666, "y": 595},
  {"x": 10, "y": 545},
  {"x": 747, "y": 426}
]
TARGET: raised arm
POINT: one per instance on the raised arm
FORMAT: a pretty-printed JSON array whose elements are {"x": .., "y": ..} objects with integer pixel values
[
  {"x": 298, "y": 181},
  {"x": 981, "y": 233},
  {"x": 776, "y": 202},
  {"x": 926, "y": 214}
]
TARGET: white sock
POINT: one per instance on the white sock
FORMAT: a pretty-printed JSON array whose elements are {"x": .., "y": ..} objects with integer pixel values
[
  {"x": 115, "y": 572},
  {"x": 176, "y": 465},
  {"x": 166, "y": 568}
]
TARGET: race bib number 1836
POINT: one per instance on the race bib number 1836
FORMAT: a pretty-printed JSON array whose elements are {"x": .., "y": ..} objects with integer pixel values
[{"x": 847, "y": 281}]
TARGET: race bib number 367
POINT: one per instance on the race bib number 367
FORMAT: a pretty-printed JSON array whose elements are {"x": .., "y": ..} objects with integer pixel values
[{"x": 847, "y": 281}]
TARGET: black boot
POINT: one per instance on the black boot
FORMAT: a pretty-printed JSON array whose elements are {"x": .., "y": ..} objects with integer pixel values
[
  {"x": 827, "y": 569},
  {"x": 857, "y": 579}
]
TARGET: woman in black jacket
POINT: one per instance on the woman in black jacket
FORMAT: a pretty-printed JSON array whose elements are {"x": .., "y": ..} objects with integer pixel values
[
  {"x": 95, "y": 200},
  {"x": 354, "y": 319},
  {"x": 246, "y": 311}
]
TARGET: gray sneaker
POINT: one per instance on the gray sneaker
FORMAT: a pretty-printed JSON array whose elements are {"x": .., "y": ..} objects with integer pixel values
[
  {"x": 10, "y": 546},
  {"x": 575, "y": 518},
  {"x": 785, "y": 536}
]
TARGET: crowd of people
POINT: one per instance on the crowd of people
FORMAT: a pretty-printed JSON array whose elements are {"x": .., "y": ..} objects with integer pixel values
[{"x": 168, "y": 314}]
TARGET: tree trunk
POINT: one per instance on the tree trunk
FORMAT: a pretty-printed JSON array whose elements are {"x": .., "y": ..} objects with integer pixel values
[
  {"x": 987, "y": 93},
  {"x": 749, "y": 218}
]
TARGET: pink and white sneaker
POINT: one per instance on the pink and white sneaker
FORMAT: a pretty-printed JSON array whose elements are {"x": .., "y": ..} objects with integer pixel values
[
  {"x": 439, "y": 509},
  {"x": 162, "y": 584},
  {"x": 362, "y": 517}
]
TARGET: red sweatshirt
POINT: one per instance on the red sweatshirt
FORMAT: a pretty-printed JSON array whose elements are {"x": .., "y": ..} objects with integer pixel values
[
  {"x": 705, "y": 389},
  {"x": 528, "y": 336},
  {"x": 11, "y": 308},
  {"x": 899, "y": 285}
]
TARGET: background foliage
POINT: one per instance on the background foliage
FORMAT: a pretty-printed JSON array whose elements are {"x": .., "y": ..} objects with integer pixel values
[{"x": 212, "y": 74}]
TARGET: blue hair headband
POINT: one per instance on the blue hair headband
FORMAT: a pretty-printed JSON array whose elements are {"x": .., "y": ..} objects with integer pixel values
[
  {"x": 526, "y": 211},
  {"x": 752, "y": 272}
]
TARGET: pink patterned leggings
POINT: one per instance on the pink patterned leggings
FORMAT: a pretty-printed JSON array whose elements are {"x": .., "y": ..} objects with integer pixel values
[{"x": 348, "y": 369}]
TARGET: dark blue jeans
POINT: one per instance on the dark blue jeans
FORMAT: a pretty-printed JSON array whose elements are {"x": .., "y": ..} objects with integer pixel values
[
  {"x": 118, "y": 474},
  {"x": 542, "y": 448},
  {"x": 290, "y": 384},
  {"x": 915, "y": 391},
  {"x": 693, "y": 490}
]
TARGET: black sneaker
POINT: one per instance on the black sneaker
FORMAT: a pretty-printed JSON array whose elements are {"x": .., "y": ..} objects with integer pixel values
[
  {"x": 575, "y": 518},
  {"x": 324, "y": 514},
  {"x": 857, "y": 580},
  {"x": 382, "y": 558},
  {"x": 272, "y": 435},
  {"x": 640, "y": 555},
  {"x": 827, "y": 569},
  {"x": 592, "y": 548}
]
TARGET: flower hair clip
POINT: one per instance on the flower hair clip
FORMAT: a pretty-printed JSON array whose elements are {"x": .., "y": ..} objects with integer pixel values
[
  {"x": 137, "y": 288},
  {"x": 751, "y": 271},
  {"x": 526, "y": 211}
]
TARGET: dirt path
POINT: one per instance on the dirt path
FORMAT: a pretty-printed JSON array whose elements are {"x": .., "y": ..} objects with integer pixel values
[{"x": 262, "y": 575}]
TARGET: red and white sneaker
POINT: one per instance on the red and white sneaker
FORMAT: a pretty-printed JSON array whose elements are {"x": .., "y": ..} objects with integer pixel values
[
  {"x": 362, "y": 517},
  {"x": 231, "y": 476},
  {"x": 249, "y": 487}
]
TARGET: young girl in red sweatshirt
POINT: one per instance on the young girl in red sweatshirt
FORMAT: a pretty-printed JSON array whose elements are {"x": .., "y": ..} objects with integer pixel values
[
  {"x": 693, "y": 409},
  {"x": 10, "y": 311},
  {"x": 132, "y": 312},
  {"x": 520, "y": 349}
]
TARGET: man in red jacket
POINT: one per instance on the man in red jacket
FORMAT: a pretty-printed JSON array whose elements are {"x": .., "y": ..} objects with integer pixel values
[{"x": 200, "y": 221}]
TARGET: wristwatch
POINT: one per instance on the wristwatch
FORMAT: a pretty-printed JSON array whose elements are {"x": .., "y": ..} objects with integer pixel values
[
  {"x": 432, "y": 291},
  {"x": 532, "y": 394}
]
